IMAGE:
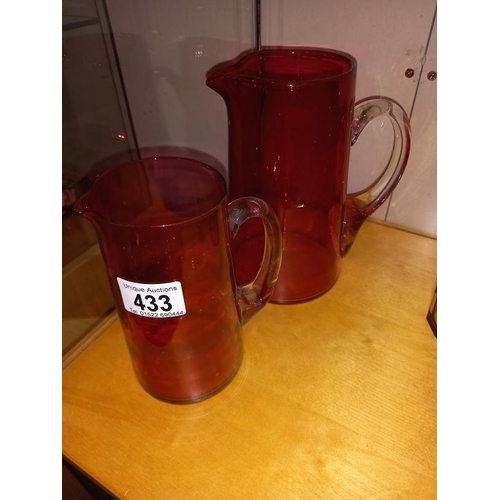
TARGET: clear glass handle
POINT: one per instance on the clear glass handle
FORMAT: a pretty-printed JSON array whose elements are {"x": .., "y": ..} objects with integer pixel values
[
  {"x": 363, "y": 203},
  {"x": 253, "y": 296}
]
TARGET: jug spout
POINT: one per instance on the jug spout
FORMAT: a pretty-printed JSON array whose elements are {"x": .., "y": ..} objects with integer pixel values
[
  {"x": 118, "y": 195},
  {"x": 219, "y": 78},
  {"x": 84, "y": 207},
  {"x": 217, "y": 82},
  {"x": 231, "y": 74}
]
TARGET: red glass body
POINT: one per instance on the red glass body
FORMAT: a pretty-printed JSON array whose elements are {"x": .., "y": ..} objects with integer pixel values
[
  {"x": 165, "y": 220},
  {"x": 290, "y": 133}
]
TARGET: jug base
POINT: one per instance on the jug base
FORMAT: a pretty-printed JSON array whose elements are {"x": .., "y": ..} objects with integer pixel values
[
  {"x": 308, "y": 269},
  {"x": 194, "y": 399},
  {"x": 283, "y": 300}
]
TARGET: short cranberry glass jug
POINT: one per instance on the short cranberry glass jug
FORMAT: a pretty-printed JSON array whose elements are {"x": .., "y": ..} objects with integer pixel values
[
  {"x": 292, "y": 122},
  {"x": 164, "y": 227}
]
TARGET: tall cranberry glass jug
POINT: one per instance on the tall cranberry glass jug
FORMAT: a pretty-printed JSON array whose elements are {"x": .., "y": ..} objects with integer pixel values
[
  {"x": 292, "y": 122},
  {"x": 164, "y": 227}
]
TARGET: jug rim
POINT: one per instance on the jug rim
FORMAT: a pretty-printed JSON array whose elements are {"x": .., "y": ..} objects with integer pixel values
[
  {"x": 86, "y": 212},
  {"x": 222, "y": 70}
]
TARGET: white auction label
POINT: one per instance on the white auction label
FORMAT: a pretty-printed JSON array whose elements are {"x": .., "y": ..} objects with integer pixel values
[{"x": 159, "y": 300}]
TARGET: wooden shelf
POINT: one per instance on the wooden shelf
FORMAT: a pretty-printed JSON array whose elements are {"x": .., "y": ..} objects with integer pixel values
[{"x": 336, "y": 397}]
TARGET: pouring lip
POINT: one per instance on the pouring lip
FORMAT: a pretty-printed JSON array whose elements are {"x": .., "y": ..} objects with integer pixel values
[
  {"x": 224, "y": 72},
  {"x": 82, "y": 209}
]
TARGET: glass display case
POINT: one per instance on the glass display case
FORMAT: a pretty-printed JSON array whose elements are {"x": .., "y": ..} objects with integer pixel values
[{"x": 96, "y": 130}]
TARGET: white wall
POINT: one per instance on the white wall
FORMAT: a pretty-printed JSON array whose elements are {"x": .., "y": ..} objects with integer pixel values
[
  {"x": 414, "y": 201},
  {"x": 166, "y": 48}
]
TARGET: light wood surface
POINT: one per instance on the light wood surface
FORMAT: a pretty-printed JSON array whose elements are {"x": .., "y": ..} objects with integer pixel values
[
  {"x": 87, "y": 297},
  {"x": 335, "y": 399}
]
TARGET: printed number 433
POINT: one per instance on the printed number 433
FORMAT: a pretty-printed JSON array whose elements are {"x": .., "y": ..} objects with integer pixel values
[{"x": 165, "y": 304}]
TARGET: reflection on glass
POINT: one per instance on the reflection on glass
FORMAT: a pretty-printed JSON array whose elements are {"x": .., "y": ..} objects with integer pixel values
[{"x": 95, "y": 128}]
